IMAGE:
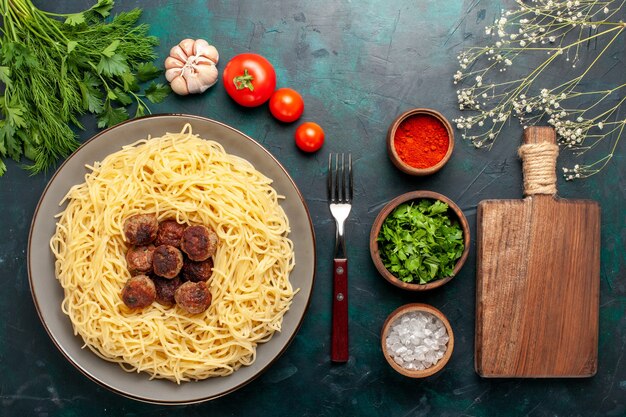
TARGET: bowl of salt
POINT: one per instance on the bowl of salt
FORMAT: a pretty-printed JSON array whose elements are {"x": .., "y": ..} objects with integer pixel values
[{"x": 417, "y": 340}]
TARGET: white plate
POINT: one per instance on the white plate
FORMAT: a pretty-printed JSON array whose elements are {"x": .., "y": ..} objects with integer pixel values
[{"x": 48, "y": 294}]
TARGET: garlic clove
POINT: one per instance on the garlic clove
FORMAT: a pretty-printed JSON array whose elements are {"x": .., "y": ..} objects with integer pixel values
[
  {"x": 207, "y": 74},
  {"x": 200, "y": 78},
  {"x": 171, "y": 62},
  {"x": 193, "y": 84},
  {"x": 201, "y": 60},
  {"x": 179, "y": 86},
  {"x": 187, "y": 45},
  {"x": 172, "y": 73},
  {"x": 202, "y": 48},
  {"x": 178, "y": 53}
]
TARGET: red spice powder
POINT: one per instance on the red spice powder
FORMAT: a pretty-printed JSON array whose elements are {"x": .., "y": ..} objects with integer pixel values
[{"x": 421, "y": 141}]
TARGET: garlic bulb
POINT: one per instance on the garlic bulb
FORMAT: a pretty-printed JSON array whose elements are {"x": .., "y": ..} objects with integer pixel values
[{"x": 191, "y": 66}]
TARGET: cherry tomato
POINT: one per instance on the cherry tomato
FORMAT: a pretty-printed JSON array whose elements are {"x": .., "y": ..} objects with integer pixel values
[
  {"x": 249, "y": 79},
  {"x": 286, "y": 105},
  {"x": 309, "y": 136}
]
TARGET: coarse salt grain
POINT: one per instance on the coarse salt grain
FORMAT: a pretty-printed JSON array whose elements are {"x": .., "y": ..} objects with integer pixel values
[{"x": 417, "y": 340}]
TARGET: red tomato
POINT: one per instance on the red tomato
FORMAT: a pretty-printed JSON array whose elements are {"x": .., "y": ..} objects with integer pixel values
[
  {"x": 309, "y": 136},
  {"x": 249, "y": 79},
  {"x": 286, "y": 105}
]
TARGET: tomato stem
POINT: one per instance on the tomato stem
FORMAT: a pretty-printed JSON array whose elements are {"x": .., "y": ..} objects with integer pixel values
[{"x": 244, "y": 81}]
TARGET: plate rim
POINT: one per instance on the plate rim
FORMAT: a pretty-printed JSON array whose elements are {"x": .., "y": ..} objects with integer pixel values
[{"x": 94, "y": 378}]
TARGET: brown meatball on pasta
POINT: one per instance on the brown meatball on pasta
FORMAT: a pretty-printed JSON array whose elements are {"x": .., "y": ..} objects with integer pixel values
[
  {"x": 141, "y": 229},
  {"x": 199, "y": 243},
  {"x": 139, "y": 259},
  {"x": 165, "y": 289},
  {"x": 197, "y": 271},
  {"x": 170, "y": 233},
  {"x": 139, "y": 292},
  {"x": 193, "y": 297},
  {"x": 167, "y": 261}
]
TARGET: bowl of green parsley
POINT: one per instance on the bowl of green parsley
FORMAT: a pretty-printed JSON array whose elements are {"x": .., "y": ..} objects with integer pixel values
[{"x": 419, "y": 240}]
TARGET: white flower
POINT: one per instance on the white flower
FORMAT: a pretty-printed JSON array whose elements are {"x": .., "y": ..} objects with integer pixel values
[
  {"x": 522, "y": 43},
  {"x": 606, "y": 10},
  {"x": 600, "y": 125},
  {"x": 508, "y": 62}
]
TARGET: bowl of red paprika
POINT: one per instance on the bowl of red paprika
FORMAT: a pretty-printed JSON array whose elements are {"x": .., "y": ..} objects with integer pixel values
[{"x": 420, "y": 141}]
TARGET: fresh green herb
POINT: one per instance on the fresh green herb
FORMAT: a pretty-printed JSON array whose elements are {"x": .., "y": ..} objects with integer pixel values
[
  {"x": 56, "y": 67},
  {"x": 418, "y": 242}
]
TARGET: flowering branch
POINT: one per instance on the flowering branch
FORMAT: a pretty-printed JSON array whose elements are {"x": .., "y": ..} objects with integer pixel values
[{"x": 550, "y": 32}]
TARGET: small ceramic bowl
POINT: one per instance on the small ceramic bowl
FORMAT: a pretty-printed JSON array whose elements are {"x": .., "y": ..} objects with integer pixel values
[
  {"x": 399, "y": 312},
  {"x": 454, "y": 213},
  {"x": 391, "y": 149}
]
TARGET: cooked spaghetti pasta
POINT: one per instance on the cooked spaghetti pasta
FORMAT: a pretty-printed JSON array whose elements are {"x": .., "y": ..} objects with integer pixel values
[{"x": 195, "y": 181}]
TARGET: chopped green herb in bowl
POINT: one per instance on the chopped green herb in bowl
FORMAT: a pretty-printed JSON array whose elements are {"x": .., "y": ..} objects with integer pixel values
[{"x": 419, "y": 239}]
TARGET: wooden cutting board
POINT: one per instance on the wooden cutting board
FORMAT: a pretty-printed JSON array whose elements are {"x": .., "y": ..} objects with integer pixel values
[{"x": 538, "y": 283}]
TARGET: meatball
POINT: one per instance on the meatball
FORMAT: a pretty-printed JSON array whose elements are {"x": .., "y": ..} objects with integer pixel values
[
  {"x": 197, "y": 271},
  {"x": 199, "y": 243},
  {"x": 139, "y": 259},
  {"x": 139, "y": 292},
  {"x": 170, "y": 232},
  {"x": 165, "y": 289},
  {"x": 167, "y": 261},
  {"x": 193, "y": 297},
  {"x": 141, "y": 229}
]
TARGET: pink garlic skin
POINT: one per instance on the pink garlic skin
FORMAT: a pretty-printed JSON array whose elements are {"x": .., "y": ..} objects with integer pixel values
[{"x": 191, "y": 67}]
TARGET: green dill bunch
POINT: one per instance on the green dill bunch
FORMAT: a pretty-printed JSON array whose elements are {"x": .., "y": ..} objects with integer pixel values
[{"x": 57, "y": 67}]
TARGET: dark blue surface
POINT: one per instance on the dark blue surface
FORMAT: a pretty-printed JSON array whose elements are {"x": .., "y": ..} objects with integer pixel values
[{"x": 358, "y": 64}]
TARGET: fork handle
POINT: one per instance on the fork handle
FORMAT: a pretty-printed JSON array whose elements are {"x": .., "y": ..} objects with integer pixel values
[{"x": 339, "y": 345}]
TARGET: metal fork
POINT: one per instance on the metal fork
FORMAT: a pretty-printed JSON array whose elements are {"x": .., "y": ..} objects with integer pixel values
[{"x": 340, "y": 191}]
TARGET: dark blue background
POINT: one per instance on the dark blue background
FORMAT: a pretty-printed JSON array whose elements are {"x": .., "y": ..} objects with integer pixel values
[{"x": 358, "y": 64}]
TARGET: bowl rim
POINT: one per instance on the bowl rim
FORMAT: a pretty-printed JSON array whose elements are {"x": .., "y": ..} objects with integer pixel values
[
  {"x": 387, "y": 209},
  {"x": 407, "y": 308},
  {"x": 391, "y": 149}
]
